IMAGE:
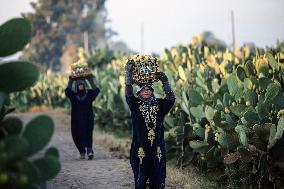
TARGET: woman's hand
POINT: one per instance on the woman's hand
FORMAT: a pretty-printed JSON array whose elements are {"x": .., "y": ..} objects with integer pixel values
[{"x": 161, "y": 76}]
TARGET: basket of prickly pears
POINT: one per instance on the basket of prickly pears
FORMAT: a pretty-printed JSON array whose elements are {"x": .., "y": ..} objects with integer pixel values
[
  {"x": 79, "y": 69},
  {"x": 144, "y": 68}
]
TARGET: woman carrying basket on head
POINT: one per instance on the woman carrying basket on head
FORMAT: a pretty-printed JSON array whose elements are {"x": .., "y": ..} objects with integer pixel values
[
  {"x": 148, "y": 150},
  {"x": 82, "y": 116}
]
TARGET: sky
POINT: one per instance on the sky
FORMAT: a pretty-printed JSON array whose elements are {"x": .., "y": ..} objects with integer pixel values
[{"x": 168, "y": 23}]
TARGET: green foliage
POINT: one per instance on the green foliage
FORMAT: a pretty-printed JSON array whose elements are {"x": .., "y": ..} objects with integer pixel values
[
  {"x": 19, "y": 168},
  {"x": 232, "y": 98},
  {"x": 48, "y": 91},
  {"x": 228, "y": 111}
]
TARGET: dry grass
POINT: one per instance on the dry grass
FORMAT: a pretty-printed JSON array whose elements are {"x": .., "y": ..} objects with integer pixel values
[{"x": 119, "y": 146}]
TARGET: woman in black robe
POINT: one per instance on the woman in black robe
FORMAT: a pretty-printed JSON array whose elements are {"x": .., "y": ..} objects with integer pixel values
[
  {"x": 148, "y": 150},
  {"x": 82, "y": 116}
]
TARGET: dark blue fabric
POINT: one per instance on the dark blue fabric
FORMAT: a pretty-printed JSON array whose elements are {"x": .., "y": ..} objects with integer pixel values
[
  {"x": 152, "y": 168},
  {"x": 82, "y": 117}
]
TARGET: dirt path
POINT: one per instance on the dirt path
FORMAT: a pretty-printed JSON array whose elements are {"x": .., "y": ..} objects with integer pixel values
[
  {"x": 104, "y": 172},
  {"x": 108, "y": 170}
]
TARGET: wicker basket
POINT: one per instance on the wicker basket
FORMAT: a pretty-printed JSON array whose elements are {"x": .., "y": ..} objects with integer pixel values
[
  {"x": 79, "y": 69},
  {"x": 144, "y": 68}
]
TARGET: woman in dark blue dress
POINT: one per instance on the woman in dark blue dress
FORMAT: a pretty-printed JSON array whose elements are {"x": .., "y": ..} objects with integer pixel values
[
  {"x": 148, "y": 150},
  {"x": 82, "y": 116}
]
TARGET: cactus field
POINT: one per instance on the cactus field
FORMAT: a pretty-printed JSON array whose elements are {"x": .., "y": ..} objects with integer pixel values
[{"x": 228, "y": 116}]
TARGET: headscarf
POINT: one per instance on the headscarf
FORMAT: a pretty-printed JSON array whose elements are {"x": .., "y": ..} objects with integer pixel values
[
  {"x": 141, "y": 87},
  {"x": 80, "y": 82}
]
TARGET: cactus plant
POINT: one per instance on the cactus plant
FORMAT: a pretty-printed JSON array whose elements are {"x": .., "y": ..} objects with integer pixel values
[
  {"x": 14, "y": 35},
  {"x": 18, "y": 143},
  {"x": 227, "y": 111}
]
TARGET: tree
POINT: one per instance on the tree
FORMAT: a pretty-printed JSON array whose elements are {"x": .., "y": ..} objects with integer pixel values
[{"x": 59, "y": 25}]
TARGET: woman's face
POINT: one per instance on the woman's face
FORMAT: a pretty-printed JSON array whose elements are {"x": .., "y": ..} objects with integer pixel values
[
  {"x": 81, "y": 87},
  {"x": 146, "y": 93}
]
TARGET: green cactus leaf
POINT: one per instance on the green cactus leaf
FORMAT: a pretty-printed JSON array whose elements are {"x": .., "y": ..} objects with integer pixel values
[
  {"x": 227, "y": 141},
  {"x": 238, "y": 109},
  {"x": 181, "y": 73},
  {"x": 230, "y": 121},
  {"x": 272, "y": 62},
  {"x": 272, "y": 139},
  {"x": 215, "y": 85},
  {"x": 279, "y": 101},
  {"x": 241, "y": 73},
  {"x": 197, "y": 112},
  {"x": 52, "y": 151},
  {"x": 228, "y": 99},
  {"x": 198, "y": 144},
  {"x": 271, "y": 92},
  {"x": 223, "y": 88},
  {"x": 209, "y": 113},
  {"x": 251, "y": 117},
  {"x": 249, "y": 68},
  {"x": 240, "y": 93},
  {"x": 251, "y": 97},
  {"x": 15, "y": 147},
  {"x": 280, "y": 128},
  {"x": 38, "y": 132},
  {"x": 245, "y": 122},
  {"x": 168, "y": 55},
  {"x": 255, "y": 82},
  {"x": 262, "y": 109},
  {"x": 194, "y": 98},
  {"x": 200, "y": 132},
  {"x": 242, "y": 131},
  {"x": 264, "y": 82},
  {"x": 264, "y": 71},
  {"x": 170, "y": 121},
  {"x": 232, "y": 83},
  {"x": 30, "y": 170},
  {"x": 49, "y": 167},
  {"x": 14, "y": 35},
  {"x": 201, "y": 83},
  {"x": 185, "y": 108},
  {"x": 184, "y": 98},
  {"x": 276, "y": 133},
  {"x": 12, "y": 125},
  {"x": 247, "y": 83},
  {"x": 17, "y": 76}
]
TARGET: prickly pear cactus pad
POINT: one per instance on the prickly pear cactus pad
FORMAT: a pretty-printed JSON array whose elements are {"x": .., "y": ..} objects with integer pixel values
[
  {"x": 79, "y": 69},
  {"x": 144, "y": 68}
]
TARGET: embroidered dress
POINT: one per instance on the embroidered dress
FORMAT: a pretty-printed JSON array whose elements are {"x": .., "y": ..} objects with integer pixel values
[{"x": 148, "y": 150}]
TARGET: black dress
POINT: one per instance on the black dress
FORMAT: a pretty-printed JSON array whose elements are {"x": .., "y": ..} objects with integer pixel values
[
  {"x": 82, "y": 117},
  {"x": 148, "y": 150}
]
